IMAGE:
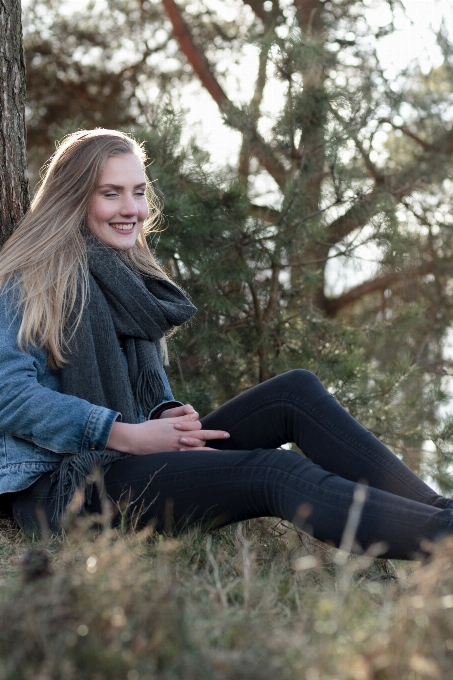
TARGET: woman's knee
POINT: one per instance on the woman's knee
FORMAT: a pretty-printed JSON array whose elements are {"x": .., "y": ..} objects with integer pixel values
[{"x": 300, "y": 379}]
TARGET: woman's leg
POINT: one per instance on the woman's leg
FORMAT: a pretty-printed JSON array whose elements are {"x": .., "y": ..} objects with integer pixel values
[
  {"x": 182, "y": 489},
  {"x": 295, "y": 407}
]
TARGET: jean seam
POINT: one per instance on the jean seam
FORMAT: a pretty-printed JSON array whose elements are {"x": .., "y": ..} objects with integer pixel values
[
  {"x": 320, "y": 418},
  {"x": 240, "y": 469},
  {"x": 327, "y": 493}
]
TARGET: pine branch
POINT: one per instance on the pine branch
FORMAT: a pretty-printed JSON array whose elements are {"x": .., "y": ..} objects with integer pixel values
[
  {"x": 193, "y": 54},
  {"x": 405, "y": 130},
  {"x": 233, "y": 115},
  {"x": 372, "y": 169},
  {"x": 263, "y": 212},
  {"x": 333, "y": 305},
  {"x": 368, "y": 204},
  {"x": 255, "y": 104},
  {"x": 256, "y": 303},
  {"x": 444, "y": 144},
  {"x": 356, "y": 216},
  {"x": 273, "y": 294},
  {"x": 132, "y": 69}
]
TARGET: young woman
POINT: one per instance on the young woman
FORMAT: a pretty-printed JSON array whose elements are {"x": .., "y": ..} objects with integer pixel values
[{"x": 84, "y": 310}]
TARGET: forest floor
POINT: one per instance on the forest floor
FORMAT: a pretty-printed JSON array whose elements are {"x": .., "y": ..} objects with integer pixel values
[{"x": 254, "y": 601}]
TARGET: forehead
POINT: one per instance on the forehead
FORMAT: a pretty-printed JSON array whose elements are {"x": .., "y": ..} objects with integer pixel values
[{"x": 125, "y": 167}]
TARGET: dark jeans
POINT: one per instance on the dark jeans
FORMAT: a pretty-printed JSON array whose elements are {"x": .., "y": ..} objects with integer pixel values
[{"x": 250, "y": 477}]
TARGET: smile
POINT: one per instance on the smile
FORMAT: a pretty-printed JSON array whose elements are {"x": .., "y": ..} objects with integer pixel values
[{"x": 123, "y": 227}]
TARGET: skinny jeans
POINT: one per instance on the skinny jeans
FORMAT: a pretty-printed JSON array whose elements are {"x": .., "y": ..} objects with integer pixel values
[{"x": 249, "y": 476}]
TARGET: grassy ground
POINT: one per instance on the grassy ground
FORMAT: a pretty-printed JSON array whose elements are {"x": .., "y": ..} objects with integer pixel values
[{"x": 256, "y": 601}]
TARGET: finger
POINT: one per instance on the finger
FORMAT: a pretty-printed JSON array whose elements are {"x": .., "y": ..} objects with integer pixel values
[
  {"x": 203, "y": 436},
  {"x": 192, "y": 442},
  {"x": 171, "y": 412},
  {"x": 189, "y": 417},
  {"x": 188, "y": 425},
  {"x": 178, "y": 411},
  {"x": 203, "y": 448},
  {"x": 213, "y": 434}
]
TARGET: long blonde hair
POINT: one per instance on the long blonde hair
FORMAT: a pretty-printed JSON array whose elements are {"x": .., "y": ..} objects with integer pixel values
[{"x": 45, "y": 258}]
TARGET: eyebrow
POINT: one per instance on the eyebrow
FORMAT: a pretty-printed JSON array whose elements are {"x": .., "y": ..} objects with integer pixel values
[{"x": 119, "y": 187}]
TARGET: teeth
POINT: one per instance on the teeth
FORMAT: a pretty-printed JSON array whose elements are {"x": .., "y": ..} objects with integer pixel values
[{"x": 123, "y": 227}]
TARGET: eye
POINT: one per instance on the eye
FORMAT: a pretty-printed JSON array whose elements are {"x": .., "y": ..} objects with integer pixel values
[
  {"x": 111, "y": 194},
  {"x": 140, "y": 193}
]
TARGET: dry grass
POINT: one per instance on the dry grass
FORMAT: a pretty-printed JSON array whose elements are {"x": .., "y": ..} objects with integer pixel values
[{"x": 252, "y": 602}]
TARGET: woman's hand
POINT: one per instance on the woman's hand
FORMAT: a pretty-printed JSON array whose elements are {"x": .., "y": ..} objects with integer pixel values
[{"x": 182, "y": 432}]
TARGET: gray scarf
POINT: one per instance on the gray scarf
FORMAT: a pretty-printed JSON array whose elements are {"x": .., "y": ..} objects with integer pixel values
[{"x": 125, "y": 311}]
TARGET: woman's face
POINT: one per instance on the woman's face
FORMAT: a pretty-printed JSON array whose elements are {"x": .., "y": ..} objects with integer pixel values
[{"x": 118, "y": 206}]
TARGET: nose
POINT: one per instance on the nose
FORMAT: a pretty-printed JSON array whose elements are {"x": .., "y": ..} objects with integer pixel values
[{"x": 128, "y": 205}]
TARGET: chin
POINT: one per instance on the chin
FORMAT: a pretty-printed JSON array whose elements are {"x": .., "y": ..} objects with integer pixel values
[
  {"x": 123, "y": 246},
  {"x": 114, "y": 240},
  {"x": 122, "y": 242}
]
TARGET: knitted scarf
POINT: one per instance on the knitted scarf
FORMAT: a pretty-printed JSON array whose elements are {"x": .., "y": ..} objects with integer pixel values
[{"x": 123, "y": 310}]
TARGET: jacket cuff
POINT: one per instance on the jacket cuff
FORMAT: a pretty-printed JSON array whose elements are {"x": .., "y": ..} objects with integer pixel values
[
  {"x": 160, "y": 408},
  {"x": 98, "y": 429}
]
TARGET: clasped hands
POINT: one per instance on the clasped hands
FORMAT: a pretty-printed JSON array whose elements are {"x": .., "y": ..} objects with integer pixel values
[{"x": 177, "y": 429}]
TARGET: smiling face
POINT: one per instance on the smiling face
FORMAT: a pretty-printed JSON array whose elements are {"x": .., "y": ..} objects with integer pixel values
[{"x": 118, "y": 206}]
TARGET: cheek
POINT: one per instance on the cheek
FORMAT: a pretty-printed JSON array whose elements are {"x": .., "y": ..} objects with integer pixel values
[
  {"x": 97, "y": 214},
  {"x": 143, "y": 212}
]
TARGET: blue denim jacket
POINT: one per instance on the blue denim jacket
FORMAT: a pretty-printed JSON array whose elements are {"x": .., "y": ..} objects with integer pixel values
[{"x": 39, "y": 424}]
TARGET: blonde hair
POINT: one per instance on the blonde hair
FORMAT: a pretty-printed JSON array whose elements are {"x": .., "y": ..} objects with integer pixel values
[{"x": 45, "y": 258}]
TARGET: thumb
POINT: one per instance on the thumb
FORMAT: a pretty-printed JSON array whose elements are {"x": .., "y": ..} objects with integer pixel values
[{"x": 189, "y": 417}]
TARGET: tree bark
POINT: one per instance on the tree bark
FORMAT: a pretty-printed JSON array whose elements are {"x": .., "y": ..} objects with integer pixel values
[{"x": 14, "y": 189}]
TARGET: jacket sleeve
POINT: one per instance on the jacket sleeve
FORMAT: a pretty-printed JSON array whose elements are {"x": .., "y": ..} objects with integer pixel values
[
  {"x": 40, "y": 414},
  {"x": 168, "y": 396},
  {"x": 168, "y": 402}
]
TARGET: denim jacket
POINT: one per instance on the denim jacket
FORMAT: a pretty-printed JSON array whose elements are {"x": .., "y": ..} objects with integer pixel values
[{"x": 39, "y": 424}]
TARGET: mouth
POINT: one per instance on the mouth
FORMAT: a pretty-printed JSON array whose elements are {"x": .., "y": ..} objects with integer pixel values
[{"x": 122, "y": 227}]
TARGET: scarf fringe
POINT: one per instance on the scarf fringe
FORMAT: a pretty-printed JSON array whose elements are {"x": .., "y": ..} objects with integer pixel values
[
  {"x": 72, "y": 474},
  {"x": 149, "y": 390}
]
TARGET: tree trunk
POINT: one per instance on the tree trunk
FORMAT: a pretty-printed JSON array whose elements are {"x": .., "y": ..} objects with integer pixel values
[{"x": 14, "y": 190}]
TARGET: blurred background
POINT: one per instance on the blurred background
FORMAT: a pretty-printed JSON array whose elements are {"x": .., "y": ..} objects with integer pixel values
[{"x": 303, "y": 152}]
